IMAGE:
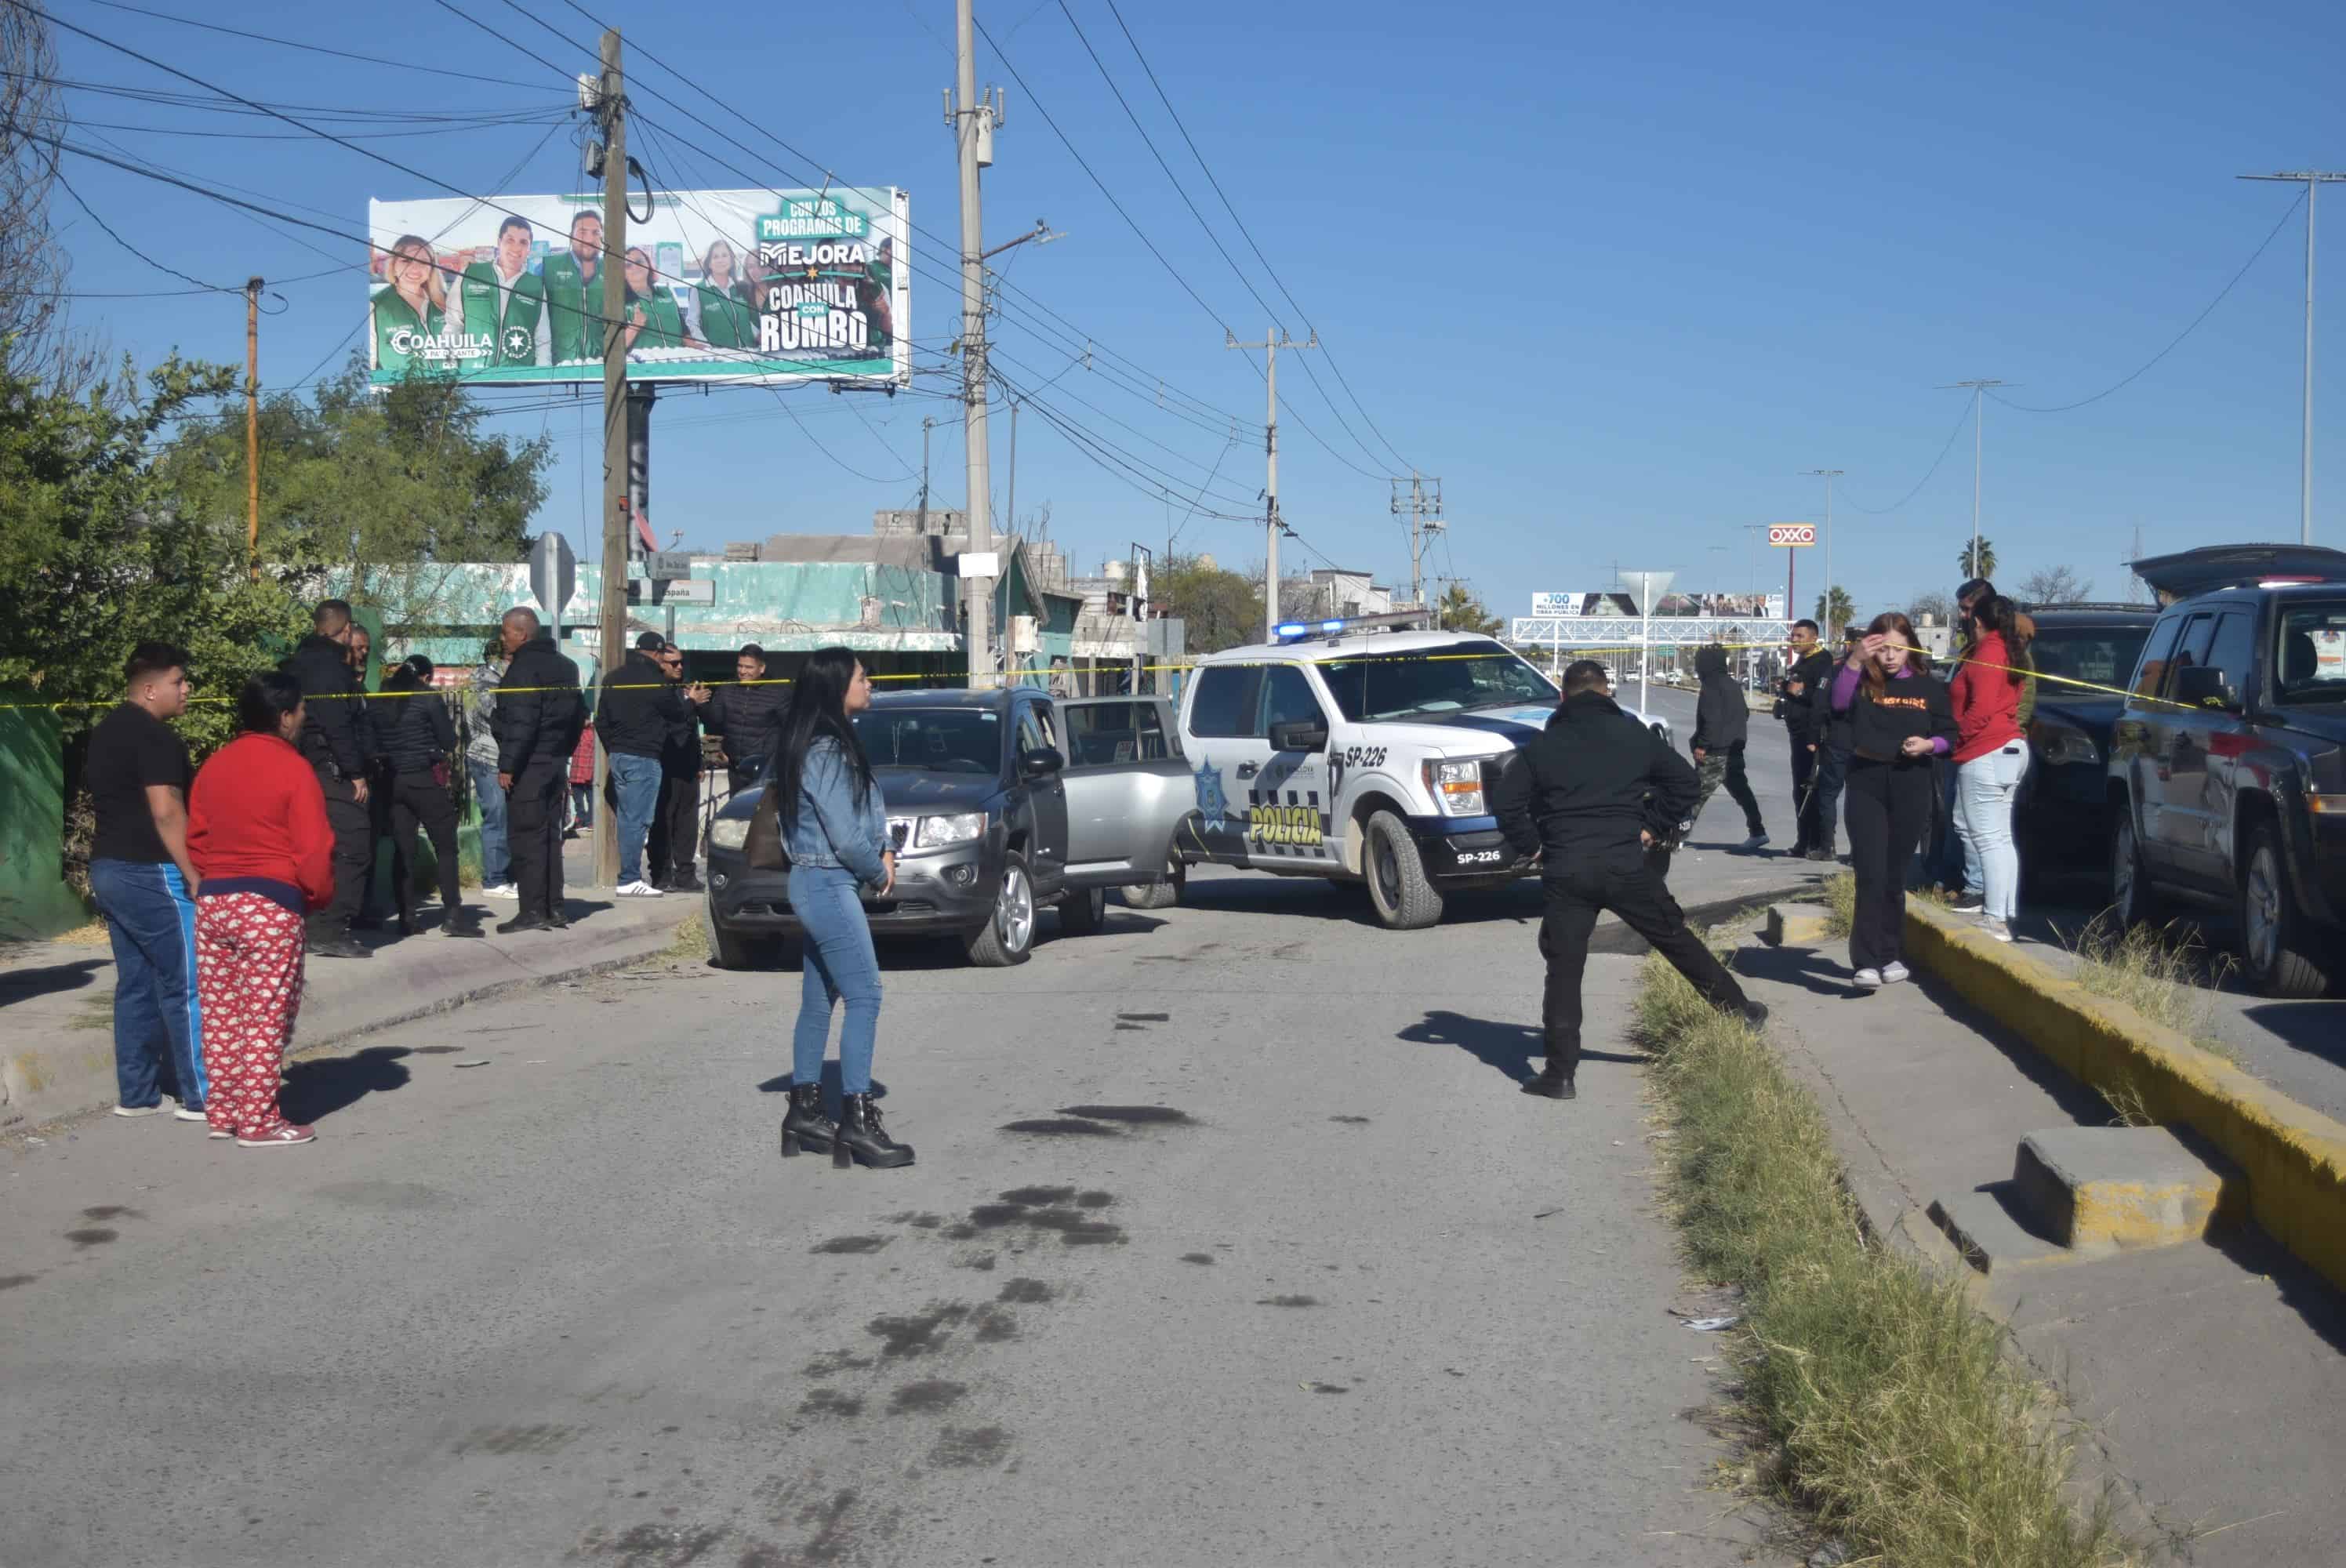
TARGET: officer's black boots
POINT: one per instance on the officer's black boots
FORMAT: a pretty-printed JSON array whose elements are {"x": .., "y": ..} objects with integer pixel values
[{"x": 1552, "y": 1084}]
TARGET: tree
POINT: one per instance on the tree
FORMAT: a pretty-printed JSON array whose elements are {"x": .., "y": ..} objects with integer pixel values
[
  {"x": 1984, "y": 567},
  {"x": 1461, "y": 610},
  {"x": 1940, "y": 607},
  {"x": 2055, "y": 586},
  {"x": 1835, "y": 610},
  {"x": 1222, "y": 609},
  {"x": 34, "y": 337}
]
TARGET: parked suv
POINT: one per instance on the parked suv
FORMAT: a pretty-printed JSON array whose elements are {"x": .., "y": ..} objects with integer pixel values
[
  {"x": 2062, "y": 809},
  {"x": 2226, "y": 779}
]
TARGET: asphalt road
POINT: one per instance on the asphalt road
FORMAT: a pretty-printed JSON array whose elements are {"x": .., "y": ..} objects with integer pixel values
[{"x": 1230, "y": 1242}]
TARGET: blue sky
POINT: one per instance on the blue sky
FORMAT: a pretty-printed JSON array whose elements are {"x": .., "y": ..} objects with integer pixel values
[{"x": 1617, "y": 273}]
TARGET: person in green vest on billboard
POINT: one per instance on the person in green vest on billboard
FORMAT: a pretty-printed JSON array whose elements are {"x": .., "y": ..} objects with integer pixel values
[
  {"x": 413, "y": 306},
  {"x": 726, "y": 322},
  {"x": 878, "y": 294},
  {"x": 655, "y": 321},
  {"x": 505, "y": 302},
  {"x": 573, "y": 292}
]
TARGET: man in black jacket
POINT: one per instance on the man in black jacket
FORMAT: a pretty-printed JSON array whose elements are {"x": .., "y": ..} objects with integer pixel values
[
  {"x": 338, "y": 744},
  {"x": 1722, "y": 724},
  {"x": 633, "y": 715},
  {"x": 1582, "y": 800},
  {"x": 1812, "y": 666},
  {"x": 539, "y": 718},
  {"x": 675, "y": 829},
  {"x": 1829, "y": 736},
  {"x": 748, "y": 714}
]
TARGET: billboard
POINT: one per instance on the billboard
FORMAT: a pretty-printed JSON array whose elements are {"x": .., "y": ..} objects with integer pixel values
[{"x": 762, "y": 286}]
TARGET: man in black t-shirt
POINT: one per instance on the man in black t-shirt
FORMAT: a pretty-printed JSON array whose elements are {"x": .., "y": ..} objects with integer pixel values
[{"x": 138, "y": 774}]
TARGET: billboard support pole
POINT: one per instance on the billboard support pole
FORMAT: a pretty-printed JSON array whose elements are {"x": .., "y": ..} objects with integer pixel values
[
  {"x": 973, "y": 137},
  {"x": 610, "y": 109}
]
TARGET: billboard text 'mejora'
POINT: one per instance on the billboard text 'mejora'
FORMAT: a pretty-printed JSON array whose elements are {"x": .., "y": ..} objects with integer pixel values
[{"x": 720, "y": 285}]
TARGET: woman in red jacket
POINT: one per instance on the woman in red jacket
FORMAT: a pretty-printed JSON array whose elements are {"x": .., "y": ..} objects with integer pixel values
[
  {"x": 1991, "y": 756},
  {"x": 258, "y": 833}
]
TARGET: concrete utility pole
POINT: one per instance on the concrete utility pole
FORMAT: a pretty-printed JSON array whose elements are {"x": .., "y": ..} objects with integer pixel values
[
  {"x": 1424, "y": 518},
  {"x": 253, "y": 425},
  {"x": 973, "y": 119},
  {"x": 1792, "y": 611},
  {"x": 2314, "y": 179},
  {"x": 1976, "y": 388},
  {"x": 1272, "y": 341},
  {"x": 610, "y": 114}
]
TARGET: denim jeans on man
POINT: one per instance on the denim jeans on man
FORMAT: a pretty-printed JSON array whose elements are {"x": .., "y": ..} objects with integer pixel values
[
  {"x": 496, "y": 858},
  {"x": 1985, "y": 787},
  {"x": 839, "y": 965},
  {"x": 635, "y": 784},
  {"x": 158, "y": 1029}
]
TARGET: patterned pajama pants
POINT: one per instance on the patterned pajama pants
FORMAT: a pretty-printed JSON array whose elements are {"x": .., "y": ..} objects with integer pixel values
[{"x": 248, "y": 974}]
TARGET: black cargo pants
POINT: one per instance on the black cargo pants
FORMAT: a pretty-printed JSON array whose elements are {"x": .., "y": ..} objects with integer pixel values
[{"x": 1622, "y": 881}]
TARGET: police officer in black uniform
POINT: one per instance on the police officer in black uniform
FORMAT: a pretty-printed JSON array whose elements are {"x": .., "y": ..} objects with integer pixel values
[
  {"x": 539, "y": 719},
  {"x": 337, "y": 744},
  {"x": 1584, "y": 797}
]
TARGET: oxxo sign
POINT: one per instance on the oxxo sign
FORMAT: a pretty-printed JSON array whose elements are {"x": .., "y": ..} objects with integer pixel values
[{"x": 1791, "y": 533}]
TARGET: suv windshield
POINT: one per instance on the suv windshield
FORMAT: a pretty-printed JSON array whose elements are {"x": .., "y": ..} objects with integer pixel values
[
  {"x": 2100, "y": 655},
  {"x": 934, "y": 739},
  {"x": 1443, "y": 679},
  {"x": 2314, "y": 652}
]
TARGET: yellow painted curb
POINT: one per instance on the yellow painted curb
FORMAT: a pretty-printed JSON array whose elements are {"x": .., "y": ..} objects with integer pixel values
[{"x": 2294, "y": 1157}]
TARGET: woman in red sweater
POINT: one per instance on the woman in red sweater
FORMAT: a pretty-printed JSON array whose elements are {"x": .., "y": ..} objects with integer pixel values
[
  {"x": 258, "y": 833},
  {"x": 1991, "y": 756}
]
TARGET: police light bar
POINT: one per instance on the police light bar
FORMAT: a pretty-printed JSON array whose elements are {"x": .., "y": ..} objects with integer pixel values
[{"x": 1398, "y": 620}]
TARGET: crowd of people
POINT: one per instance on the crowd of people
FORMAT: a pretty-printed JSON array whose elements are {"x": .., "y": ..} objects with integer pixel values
[{"x": 217, "y": 884}]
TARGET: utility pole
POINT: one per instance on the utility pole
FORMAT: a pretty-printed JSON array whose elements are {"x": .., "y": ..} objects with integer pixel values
[
  {"x": 2314, "y": 179},
  {"x": 1827, "y": 475},
  {"x": 1272, "y": 341},
  {"x": 253, "y": 425},
  {"x": 926, "y": 423},
  {"x": 1143, "y": 558},
  {"x": 1424, "y": 517},
  {"x": 610, "y": 114},
  {"x": 1976, "y": 387},
  {"x": 973, "y": 119},
  {"x": 1010, "y": 483}
]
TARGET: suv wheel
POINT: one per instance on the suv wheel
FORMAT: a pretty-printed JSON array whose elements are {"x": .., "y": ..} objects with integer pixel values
[
  {"x": 1398, "y": 889},
  {"x": 2280, "y": 960},
  {"x": 1008, "y": 937},
  {"x": 732, "y": 950},
  {"x": 1083, "y": 912},
  {"x": 2133, "y": 899}
]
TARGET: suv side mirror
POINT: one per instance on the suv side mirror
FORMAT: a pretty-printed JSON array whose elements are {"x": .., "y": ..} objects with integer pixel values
[
  {"x": 1298, "y": 735},
  {"x": 1041, "y": 762},
  {"x": 2203, "y": 686}
]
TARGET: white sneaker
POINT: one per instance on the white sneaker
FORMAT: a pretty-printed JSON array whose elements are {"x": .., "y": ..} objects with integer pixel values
[
  {"x": 154, "y": 1110},
  {"x": 1756, "y": 842},
  {"x": 1892, "y": 973},
  {"x": 637, "y": 890},
  {"x": 501, "y": 890},
  {"x": 1867, "y": 980},
  {"x": 1995, "y": 928}
]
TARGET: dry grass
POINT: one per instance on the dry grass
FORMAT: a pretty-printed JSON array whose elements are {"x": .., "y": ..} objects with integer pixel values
[
  {"x": 2165, "y": 975},
  {"x": 94, "y": 934},
  {"x": 1840, "y": 897},
  {"x": 691, "y": 943},
  {"x": 1904, "y": 1426}
]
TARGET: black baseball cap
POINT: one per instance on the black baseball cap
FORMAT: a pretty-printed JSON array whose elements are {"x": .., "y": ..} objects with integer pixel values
[{"x": 650, "y": 642}]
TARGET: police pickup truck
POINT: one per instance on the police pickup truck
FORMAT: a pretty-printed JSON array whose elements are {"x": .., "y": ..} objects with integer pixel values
[{"x": 1361, "y": 754}]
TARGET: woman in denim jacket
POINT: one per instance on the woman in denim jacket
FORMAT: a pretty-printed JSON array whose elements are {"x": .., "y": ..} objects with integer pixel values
[{"x": 836, "y": 826}]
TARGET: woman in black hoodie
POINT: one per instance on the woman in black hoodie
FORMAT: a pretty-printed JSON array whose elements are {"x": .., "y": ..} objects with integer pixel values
[
  {"x": 417, "y": 741},
  {"x": 1722, "y": 722}
]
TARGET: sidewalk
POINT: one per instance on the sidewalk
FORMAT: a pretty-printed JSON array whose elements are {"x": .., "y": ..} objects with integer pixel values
[
  {"x": 56, "y": 998},
  {"x": 2209, "y": 1373}
]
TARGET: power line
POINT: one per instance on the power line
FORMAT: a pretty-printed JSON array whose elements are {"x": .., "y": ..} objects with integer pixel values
[
  {"x": 404, "y": 66},
  {"x": 1885, "y": 511}
]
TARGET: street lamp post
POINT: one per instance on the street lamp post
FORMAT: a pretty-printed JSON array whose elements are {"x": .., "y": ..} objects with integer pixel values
[{"x": 2314, "y": 179}]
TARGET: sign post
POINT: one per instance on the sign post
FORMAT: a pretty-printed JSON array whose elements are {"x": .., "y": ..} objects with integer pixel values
[
  {"x": 1645, "y": 588},
  {"x": 1788, "y": 536}
]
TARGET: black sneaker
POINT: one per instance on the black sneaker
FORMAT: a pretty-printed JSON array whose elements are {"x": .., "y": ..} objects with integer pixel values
[
  {"x": 683, "y": 882},
  {"x": 524, "y": 923},
  {"x": 334, "y": 947},
  {"x": 1556, "y": 1088},
  {"x": 1755, "y": 1013}
]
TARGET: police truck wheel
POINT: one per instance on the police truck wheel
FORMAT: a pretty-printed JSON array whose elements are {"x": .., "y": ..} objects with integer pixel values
[{"x": 1398, "y": 889}]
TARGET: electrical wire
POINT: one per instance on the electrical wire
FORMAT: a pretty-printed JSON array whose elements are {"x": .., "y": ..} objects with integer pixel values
[
  {"x": 315, "y": 48},
  {"x": 1885, "y": 511}
]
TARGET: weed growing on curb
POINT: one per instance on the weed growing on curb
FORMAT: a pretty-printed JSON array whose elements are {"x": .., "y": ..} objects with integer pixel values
[
  {"x": 691, "y": 940},
  {"x": 1902, "y": 1425},
  {"x": 1840, "y": 897},
  {"x": 2159, "y": 974}
]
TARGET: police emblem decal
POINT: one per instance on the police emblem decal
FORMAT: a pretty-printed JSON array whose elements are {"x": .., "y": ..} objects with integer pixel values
[{"x": 1213, "y": 807}]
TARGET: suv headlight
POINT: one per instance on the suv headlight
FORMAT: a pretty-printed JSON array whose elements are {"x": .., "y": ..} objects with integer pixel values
[
  {"x": 730, "y": 832},
  {"x": 937, "y": 833},
  {"x": 1457, "y": 786}
]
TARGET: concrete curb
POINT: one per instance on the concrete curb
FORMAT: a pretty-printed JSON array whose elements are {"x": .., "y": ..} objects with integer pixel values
[{"x": 2294, "y": 1157}]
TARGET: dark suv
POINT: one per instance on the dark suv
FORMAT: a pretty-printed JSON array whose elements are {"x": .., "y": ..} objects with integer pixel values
[
  {"x": 2227, "y": 780},
  {"x": 2085, "y": 654}
]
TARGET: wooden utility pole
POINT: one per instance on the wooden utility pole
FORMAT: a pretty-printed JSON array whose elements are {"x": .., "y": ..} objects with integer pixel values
[
  {"x": 610, "y": 112},
  {"x": 252, "y": 425}
]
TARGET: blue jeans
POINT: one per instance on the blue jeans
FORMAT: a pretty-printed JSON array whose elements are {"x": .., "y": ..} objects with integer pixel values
[
  {"x": 635, "y": 782},
  {"x": 151, "y": 921},
  {"x": 839, "y": 965},
  {"x": 1984, "y": 790},
  {"x": 496, "y": 858}
]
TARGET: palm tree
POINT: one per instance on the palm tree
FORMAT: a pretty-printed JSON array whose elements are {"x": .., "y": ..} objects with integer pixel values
[
  {"x": 1836, "y": 610},
  {"x": 1984, "y": 567}
]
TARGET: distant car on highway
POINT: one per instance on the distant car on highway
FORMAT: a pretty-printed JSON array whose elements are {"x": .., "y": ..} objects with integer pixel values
[{"x": 2062, "y": 811}]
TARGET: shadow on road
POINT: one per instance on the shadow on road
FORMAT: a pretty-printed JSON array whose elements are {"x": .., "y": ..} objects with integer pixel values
[
  {"x": 23, "y": 984},
  {"x": 1509, "y": 1047},
  {"x": 317, "y": 1088},
  {"x": 781, "y": 1084}
]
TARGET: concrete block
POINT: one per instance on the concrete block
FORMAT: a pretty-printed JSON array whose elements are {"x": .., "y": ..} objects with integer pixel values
[
  {"x": 1991, "y": 1238},
  {"x": 2097, "y": 1189},
  {"x": 1797, "y": 925}
]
